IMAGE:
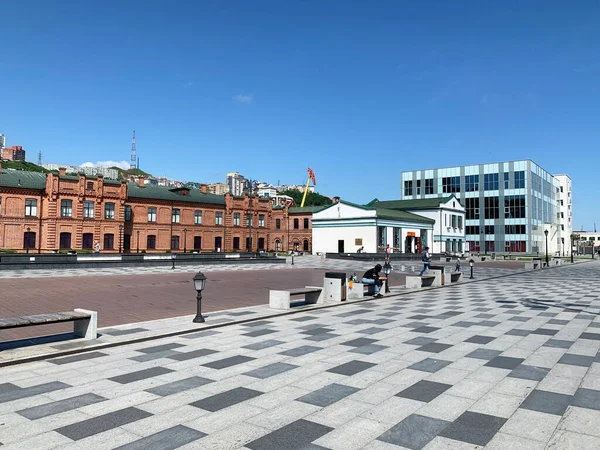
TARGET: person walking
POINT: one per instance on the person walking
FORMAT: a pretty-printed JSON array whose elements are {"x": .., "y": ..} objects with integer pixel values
[
  {"x": 373, "y": 278},
  {"x": 97, "y": 248},
  {"x": 426, "y": 261}
]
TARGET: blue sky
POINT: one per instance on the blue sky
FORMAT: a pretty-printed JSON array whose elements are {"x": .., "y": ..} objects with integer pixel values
[{"x": 357, "y": 90}]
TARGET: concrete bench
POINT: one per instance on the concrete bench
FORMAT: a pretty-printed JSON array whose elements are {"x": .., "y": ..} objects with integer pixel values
[
  {"x": 535, "y": 264},
  {"x": 85, "y": 322},
  {"x": 418, "y": 282},
  {"x": 455, "y": 277},
  {"x": 357, "y": 291},
  {"x": 282, "y": 299}
]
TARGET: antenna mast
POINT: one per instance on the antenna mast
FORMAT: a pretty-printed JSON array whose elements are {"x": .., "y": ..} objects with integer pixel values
[
  {"x": 133, "y": 162},
  {"x": 39, "y": 158}
]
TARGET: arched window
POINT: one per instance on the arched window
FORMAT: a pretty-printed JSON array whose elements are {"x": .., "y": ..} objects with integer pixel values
[
  {"x": 305, "y": 245},
  {"x": 277, "y": 245}
]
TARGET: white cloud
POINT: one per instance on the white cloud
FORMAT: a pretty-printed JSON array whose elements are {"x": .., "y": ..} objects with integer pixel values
[
  {"x": 121, "y": 164},
  {"x": 244, "y": 98}
]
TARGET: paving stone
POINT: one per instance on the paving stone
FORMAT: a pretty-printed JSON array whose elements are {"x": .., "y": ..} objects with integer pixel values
[
  {"x": 545, "y": 331},
  {"x": 558, "y": 343},
  {"x": 483, "y": 353},
  {"x": 359, "y": 342},
  {"x": 12, "y": 394},
  {"x": 76, "y": 358},
  {"x": 257, "y": 333},
  {"x": 118, "y": 332},
  {"x": 57, "y": 407},
  {"x": 100, "y": 424},
  {"x": 300, "y": 351},
  {"x": 368, "y": 349},
  {"x": 414, "y": 432},
  {"x": 424, "y": 391},
  {"x": 140, "y": 375},
  {"x": 179, "y": 386},
  {"x": 576, "y": 360},
  {"x": 297, "y": 435},
  {"x": 160, "y": 348},
  {"x": 518, "y": 332},
  {"x": 264, "y": 344},
  {"x": 201, "y": 334},
  {"x": 529, "y": 372},
  {"x": 372, "y": 330},
  {"x": 226, "y": 399},
  {"x": 480, "y": 339},
  {"x": 425, "y": 329},
  {"x": 504, "y": 362},
  {"x": 168, "y": 439},
  {"x": 315, "y": 331},
  {"x": 228, "y": 362},
  {"x": 351, "y": 368},
  {"x": 421, "y": 340},
  {"x": 464, "y": 324},
  {"x": 270, "y": 370},
  {"x": 430, "y": 365},
  {"x": 328, "y": 395},
  {"x": 434, "y": 347},
  {"x": 474, "y": 428},
  {"x": 547, "y": 402},
  {"x": 587, "y": 398}
]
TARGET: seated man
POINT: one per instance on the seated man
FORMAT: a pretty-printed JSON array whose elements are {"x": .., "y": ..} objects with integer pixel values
[{"x": 372, "y": 277}]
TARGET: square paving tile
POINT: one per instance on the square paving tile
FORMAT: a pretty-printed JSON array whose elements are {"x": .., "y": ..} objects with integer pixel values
[
  {"x": 295, "y": 436},
  {"x": 421, "y": 340},
  {"x": 547, "y": 402},
  {"x": 318, "y": 330},
  {"x": 257, "y": 323},
  {"x": 474, "y": 428},
  {"x": 430, "y": 365},
  {"x": 368, "y": 349},
  {"x": 504, "y": 362},
  {"x": 464, "y": 324},
  {"x": 529, "y": 372},
  {"x": 302, "y": 350},
  {"x": 480, "y": 339},
  {"x": 434, "y": 347},
  {"x": 558, "y": 322},
  {"x": 414, "y": 432},
  {"x": 592, "y": 336},
  {"x": 424, "y": 391},
  {"x": 263, "y": 344},
  {"x": 321, "y": 337},
  {"x": 483, "y": 353},
  {"x": 179, "y": 386},
  {"x": 518, "y": 332},
  {"x": 160, "y": 348},
  {"x": 425, "y": 329},
  {"x": 359, "y": 342},
  {"x": 576, "y": 360},
  {"x": 545, "y": 331},
  {"x": 372, "y": 330},
  {"x": 257, "y": 333},
  {"x": 587, "y": 398},
  {"x": 168, "y": 439},
  {"x": 270, "y": 370},
  {"x": 351, "y": 368},
  {"x": 226, "y": 399},
  {"x": 192, "y": 355},
  {"x": 228, "y": 362},
  {"x": 558, "y": 343},
  {"x": 327, "y": 395}
]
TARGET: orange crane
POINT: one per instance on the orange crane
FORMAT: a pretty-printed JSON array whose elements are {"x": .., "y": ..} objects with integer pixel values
[{"x": 311, "y": 176}]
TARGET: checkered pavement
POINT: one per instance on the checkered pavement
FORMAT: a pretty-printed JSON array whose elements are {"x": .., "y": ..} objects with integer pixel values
[{"x": 511, "y": 362}]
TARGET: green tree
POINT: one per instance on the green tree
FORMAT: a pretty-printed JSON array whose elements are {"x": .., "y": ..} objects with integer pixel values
[{"x": 312, "y": 198}]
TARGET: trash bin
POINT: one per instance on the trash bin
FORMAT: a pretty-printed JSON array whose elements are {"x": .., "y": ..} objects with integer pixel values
[{"x": 342, "y": 277}]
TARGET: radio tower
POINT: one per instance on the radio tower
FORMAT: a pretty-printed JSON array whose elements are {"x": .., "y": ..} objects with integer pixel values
[
  {"x": 132, "y": 165},
  {"x": 39, "y": 158}
]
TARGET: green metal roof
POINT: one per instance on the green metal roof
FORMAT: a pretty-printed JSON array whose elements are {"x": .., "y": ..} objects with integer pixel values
[
  {"x": 421, "y": 203},
  {"x": 383, "y": 213},
  {"x": 164, "y": 193},
  {"x": 307, "y": 209},
  {"x": 22, "y": 179}
]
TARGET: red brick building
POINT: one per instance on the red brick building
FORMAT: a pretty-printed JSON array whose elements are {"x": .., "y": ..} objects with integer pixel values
[
  {"x": 53, "y": 212},
  {"x": 14, "y": 153}
]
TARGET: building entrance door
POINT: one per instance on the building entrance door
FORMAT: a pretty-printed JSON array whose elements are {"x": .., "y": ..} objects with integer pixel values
[
  {"x": 127, "y": 243},
  {"x": 218, "y": 243},
  {"x": 341, "y": 246}
]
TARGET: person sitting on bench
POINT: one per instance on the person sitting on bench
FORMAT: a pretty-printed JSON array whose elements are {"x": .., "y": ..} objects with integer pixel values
[{"x": 372, "y": 277}]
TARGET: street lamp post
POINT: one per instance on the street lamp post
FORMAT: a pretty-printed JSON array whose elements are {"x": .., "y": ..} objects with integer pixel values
[
  {"x": 387, "y": 269},
  {"x": 120, "y": 238},
  {"x": 199, "y": 283},
  {"x": 249, "y": 219},
  {"x": 572, "y": 248},
  {"x": 471, "y": 264},
  {"x": 547, "y": 261},
  {"x": 185, "y": 240},
  {"x": 27, "y": 240},
  {"x": 138, "y": 241}
]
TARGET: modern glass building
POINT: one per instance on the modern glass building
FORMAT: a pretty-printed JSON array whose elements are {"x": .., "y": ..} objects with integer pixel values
[{"x": 508, "y": 205}]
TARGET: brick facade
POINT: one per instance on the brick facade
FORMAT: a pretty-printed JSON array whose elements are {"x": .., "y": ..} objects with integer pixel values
[
  {"x": 50, "y": 212},
  {"x": 14, "y": 153}
]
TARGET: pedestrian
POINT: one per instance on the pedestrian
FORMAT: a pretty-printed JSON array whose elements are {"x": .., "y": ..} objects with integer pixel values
[
  {"x": 426, "y": 261},
  {"x": 457, "y": 268},
  {"x": 360, "y": 250},
  {"x": 373, "y": 278},
  {"x": 97, "y": 248}
]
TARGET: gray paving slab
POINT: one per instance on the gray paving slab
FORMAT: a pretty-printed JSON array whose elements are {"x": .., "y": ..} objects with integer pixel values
[
  {"x": 140, "y": 375},
  {"x": 328, "y": 395},
  {"x": 60, "y": 406},
  {"x": 226, "y": 399},
  {"x": 102, "y": 423},
  {"x": 168, "y": 439},
  {"x": 297, "y": 435},
  {"x": 179, "y": 386}
]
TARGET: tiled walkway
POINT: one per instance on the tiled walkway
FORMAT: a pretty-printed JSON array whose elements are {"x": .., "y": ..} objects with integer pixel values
[{"x": 506, "y": 363}]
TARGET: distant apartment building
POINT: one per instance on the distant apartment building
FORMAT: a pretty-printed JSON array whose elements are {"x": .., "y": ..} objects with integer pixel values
[
  {"x": 14, "y": 153},
  {"x": 294, "y": 187},
  {"x": 508, "y": 205},
  {"x": 112, "y": 174},
  {"x": 236, "y": 183},
  {"x": 218, "y": 188},
  {"x": 2, "y": 141}
]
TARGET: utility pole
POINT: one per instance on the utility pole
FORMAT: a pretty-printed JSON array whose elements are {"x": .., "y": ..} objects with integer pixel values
[{"x": 133, "y": 162}]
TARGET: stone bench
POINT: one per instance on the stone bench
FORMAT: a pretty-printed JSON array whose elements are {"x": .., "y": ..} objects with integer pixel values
[
  {"x": 282, "y": 299},
  {"x": 535, "y": 264},
  {"x": 357, "y": 291},
  {"x": 85, "y": 322},
  {"x": 418, "y": 282},
  {"x": 455, "y": 277}
]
